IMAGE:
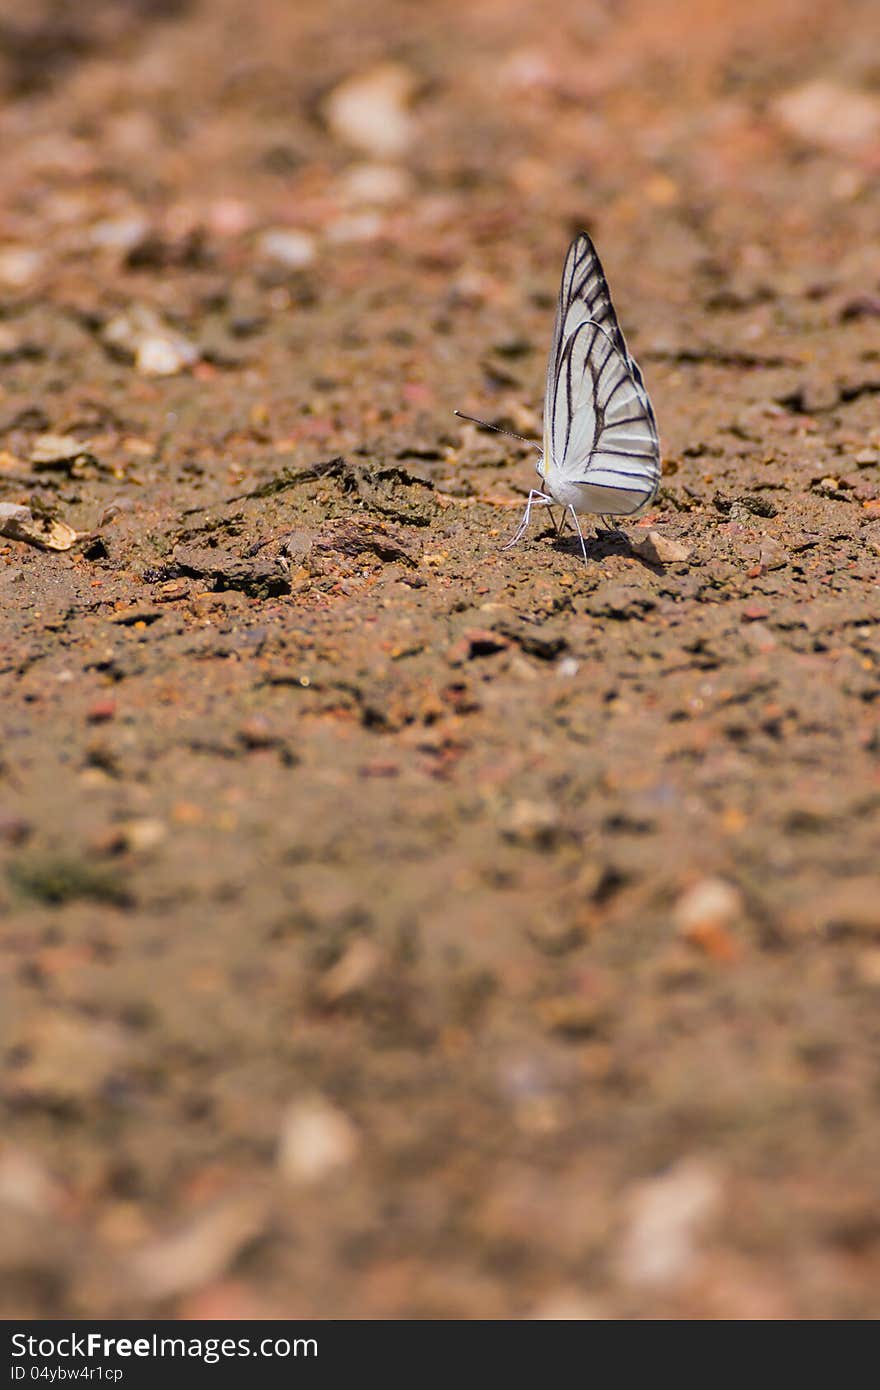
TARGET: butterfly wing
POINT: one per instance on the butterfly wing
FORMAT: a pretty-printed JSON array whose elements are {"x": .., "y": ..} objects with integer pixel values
[{"x": 599, "y": 426}]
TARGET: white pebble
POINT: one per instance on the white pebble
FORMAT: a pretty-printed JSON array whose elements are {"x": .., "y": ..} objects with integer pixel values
[
  {"x": 355, "y": 226},
  {"x": 567, "y": 667},
  {"x": 825, "y": 113},
  {"x": 25, "y": 1185},
  {"x": 370, "y": 110},
  {"x": 160, "y": 356},
  {"x": 374, "y": 184},
  {"x": 143, "y": 834},
  {"x": 197, "y": 1252},
  {"x": 290, "y": 247},
  {"x": 352, "y": 972},
  {"x": 19, "y": 265},
  {"x": 156, "y": 347},
  {"x": 711, "y": 902},
  {"x": 119, "y": 233},
  {"x": 316, "y": 1138},
  {"x": 667, "y": 1217}
]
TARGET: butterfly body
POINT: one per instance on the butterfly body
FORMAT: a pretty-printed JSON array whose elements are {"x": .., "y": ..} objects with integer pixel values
[{"x": 586, "y": 497}]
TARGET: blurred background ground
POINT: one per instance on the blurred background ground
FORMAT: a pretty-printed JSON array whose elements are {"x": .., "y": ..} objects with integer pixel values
[{"x": 392, "y": 926}]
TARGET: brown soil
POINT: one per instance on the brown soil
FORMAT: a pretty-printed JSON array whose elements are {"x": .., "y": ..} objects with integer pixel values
[{"x": 393, "y": 925}]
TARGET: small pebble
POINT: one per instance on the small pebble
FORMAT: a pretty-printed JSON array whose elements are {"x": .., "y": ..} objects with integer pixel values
[
  {"x": 352, "y": 972},
  {"x": 355, "y": 226},
  {"x": 533, "y": 823},
  {"x": 26, "y": 1185},
  {"x": 171, "y": 590},
  {"x": 55, "y": 448},
  {"x": 160, "y": 357},
  {"x": 667, "y": 1217},
  {"x": 143, "y": 834},
  {"x": 366, "y": 184},
  {"x": 291, "y": 248},
  {"x": 229, "y": 217},
  {"x": 156, "y": 348},
  {"x": 772, "y": 556},
  {"x": 198, "y": 1251},
  {"x": 661, "y": 550},
  {"x": 19, "y": 266},
  {"x": 712, "y": 901},
  {"x": 101, "y": 711},
  {"x": 828, "y": 114},
  {"x": 47, "y": 533},
  {"x": 316, "y": 1139},
  {"x": 370, "y": 110},
  {"x": 119, "y": 233},
  {"x": 575, "y": 1015}
]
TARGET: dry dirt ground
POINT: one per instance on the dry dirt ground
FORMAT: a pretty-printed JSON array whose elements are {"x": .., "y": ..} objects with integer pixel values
[{"x": 391, "y": 925}]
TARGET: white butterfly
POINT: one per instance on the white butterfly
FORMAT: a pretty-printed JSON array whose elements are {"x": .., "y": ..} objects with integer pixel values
[{"x": 601, "y": 449}]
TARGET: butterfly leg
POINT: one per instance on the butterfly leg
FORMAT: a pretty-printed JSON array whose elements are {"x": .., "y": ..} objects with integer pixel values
[
  {"x": 577, "y": 527},
  {"x": 609, "y": 524},
  {"x": 535, "y": 496}
]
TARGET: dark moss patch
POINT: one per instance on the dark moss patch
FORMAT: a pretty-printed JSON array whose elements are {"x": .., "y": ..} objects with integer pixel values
[{"x": 56, "y": 879}]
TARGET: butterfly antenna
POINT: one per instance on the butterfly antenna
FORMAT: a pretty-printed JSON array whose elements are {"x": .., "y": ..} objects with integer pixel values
[{"x": 532, "y": 443}]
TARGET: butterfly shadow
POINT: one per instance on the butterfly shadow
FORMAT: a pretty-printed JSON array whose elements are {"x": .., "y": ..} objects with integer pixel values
[{"x": 599, "y": 546}]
